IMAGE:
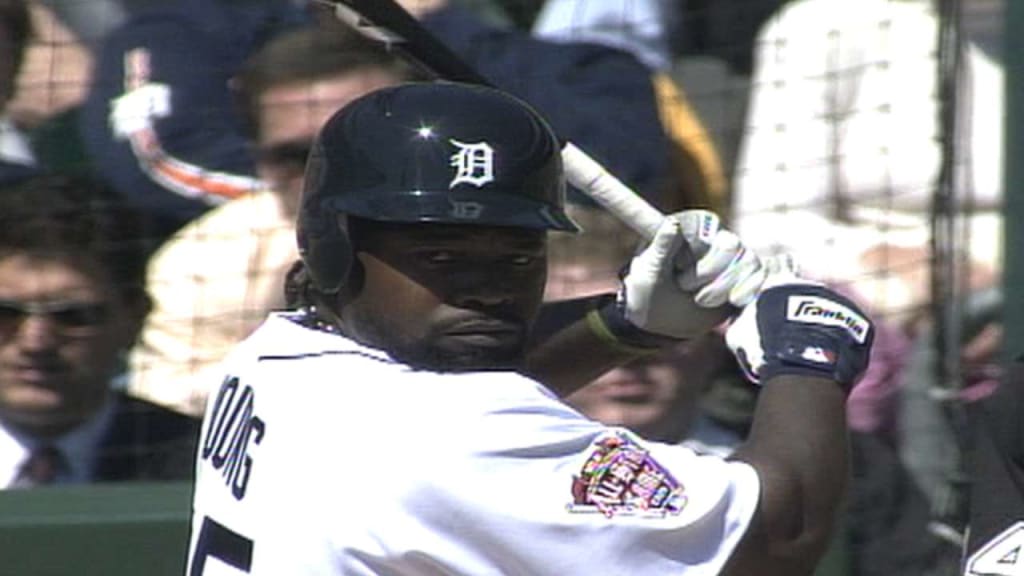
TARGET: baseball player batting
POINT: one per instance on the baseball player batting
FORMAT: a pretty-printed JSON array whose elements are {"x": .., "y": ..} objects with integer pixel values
[{"x": 382, "y": 426}]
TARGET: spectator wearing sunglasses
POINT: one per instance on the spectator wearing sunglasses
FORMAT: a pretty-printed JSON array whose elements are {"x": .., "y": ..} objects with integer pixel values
[{"x": 72, "y": 301}]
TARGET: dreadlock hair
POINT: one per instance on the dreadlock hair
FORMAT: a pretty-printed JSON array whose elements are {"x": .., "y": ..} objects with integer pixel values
[
  {"x": 298, "y": 286},
  {"x": 301, "y": 293}
]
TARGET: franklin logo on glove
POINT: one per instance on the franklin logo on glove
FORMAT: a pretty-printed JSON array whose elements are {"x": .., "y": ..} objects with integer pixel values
[
  {"x": 827, "y": 313},
  {"x": 798, "y": 327}
]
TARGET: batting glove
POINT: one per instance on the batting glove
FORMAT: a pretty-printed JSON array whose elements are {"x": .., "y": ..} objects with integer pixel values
[
  {"x": 689, "y": 279},
  {"x": 798, "y": 327}
]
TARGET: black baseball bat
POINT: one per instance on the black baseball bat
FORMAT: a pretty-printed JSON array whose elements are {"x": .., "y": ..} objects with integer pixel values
[{"x": 386, "y": 21}]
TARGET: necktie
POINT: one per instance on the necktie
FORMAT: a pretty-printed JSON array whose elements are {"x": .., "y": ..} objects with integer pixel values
[{"x": 40, "y": 468}]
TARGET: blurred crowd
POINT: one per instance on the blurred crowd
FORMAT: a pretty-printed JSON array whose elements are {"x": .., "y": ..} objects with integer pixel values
[{"x": 152, "y": 155}]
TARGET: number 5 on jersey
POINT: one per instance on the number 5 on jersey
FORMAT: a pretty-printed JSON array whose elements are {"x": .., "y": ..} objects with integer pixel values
[{"x": 217, "y": 541}]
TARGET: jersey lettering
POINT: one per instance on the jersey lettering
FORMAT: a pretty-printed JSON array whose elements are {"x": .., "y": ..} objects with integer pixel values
[{"x": 233, "y": 429}]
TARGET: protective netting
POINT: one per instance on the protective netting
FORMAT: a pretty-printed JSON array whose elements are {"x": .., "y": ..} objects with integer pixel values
[{"x": 865, "y": 137}]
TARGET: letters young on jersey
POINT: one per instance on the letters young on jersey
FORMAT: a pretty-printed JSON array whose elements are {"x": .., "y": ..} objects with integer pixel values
[{"x": 233, "y": 429}]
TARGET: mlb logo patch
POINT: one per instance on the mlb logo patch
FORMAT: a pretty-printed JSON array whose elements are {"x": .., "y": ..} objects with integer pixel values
[
  {"x": 621, "y": 477},
  {"x": 819, "y": 355}
]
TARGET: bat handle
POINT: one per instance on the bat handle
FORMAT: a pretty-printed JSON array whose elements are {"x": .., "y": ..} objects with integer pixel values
[{"x": 592, "y": 179}]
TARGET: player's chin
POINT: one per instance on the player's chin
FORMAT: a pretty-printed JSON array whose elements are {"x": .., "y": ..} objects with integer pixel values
[{"x": 455, "y": 353}]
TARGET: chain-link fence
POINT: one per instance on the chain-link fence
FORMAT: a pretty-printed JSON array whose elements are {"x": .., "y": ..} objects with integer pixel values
[{"x": 866, "y": 137}]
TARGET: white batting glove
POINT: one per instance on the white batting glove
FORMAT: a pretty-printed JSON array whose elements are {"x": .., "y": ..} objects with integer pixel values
[
  {"x": 136, "y": 110},
  {"x": 799, "y": 327},
  {"x": 680, "y": 284},
  {"x": 690, "y": 278}
]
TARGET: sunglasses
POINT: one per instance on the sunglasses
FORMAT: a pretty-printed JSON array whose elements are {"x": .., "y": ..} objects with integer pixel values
[
  {"x": 284, "y": 154},
  {"x": 71, "y": 318}
]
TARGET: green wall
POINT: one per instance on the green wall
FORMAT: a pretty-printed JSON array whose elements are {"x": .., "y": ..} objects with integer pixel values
[{"x": 99, "y": 530}]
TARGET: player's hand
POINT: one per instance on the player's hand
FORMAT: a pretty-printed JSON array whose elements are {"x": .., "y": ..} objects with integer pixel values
[
  {"x": 136, "y": 110},
  {"x": 689, "y": 279},
  {"x": 795, "y": 326}
]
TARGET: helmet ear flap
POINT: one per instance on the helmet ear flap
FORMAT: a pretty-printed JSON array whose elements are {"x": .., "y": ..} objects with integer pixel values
[
  {"x": 322, "y": 234},
  {"x": 325, "y": 249},
  {"x": 329, "y": 261}
]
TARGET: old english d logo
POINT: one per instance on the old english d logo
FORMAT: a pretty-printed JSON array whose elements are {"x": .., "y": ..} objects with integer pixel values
[{"x": 473, "y": 163}]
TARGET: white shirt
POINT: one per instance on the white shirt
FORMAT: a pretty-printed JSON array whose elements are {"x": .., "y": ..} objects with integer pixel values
[
  {"x": 841, "y": 152},
  {"x": 14, "y": 145},
  {"x": 78, "y": 447},
  {"x": 337, "y": 459},
  {"x": 641, "y": 27},
  {"x": 211, "y": 284}
]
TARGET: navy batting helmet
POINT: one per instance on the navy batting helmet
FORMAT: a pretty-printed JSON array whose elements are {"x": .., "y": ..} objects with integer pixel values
[{"x": 427, "y": 152}]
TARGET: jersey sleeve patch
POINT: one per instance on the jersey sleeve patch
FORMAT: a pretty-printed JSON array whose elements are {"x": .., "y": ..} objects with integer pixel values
[{"x": 620, "y": 477}]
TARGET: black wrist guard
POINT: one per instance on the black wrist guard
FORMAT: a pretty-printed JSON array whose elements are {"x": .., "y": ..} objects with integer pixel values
[{"x": 608, "y": 321}]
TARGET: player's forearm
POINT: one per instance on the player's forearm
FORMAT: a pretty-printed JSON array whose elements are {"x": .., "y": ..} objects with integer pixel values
[
  {"x": 807, "y": 345},
  {"x": 568, "y": 349},
  {"x": 799, "y": 448},
  {"x": 572, "y": 357}
]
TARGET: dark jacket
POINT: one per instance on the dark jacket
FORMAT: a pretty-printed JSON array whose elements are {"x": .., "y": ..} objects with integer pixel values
[
  {"x": 599, "y": 98},
  {"x": 195, "y": 47},
  {"x": 995, "y": 458},
  {"x": 146, "y": 442}
]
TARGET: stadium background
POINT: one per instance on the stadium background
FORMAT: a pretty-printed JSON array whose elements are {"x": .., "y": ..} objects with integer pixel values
[{"x": 136, "y": 529}]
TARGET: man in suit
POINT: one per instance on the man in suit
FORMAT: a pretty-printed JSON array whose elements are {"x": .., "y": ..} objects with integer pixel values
[{"x": 72, "y": 300}]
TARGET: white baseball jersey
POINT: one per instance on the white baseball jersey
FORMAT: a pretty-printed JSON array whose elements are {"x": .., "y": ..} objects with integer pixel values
[{"x": 322, "y": 456}]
